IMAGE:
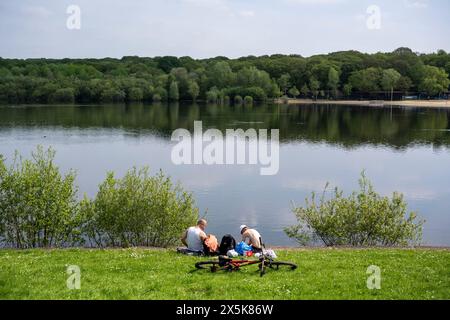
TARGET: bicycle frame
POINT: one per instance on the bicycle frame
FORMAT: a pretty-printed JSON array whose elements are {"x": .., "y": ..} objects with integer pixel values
[{"x": 235, "y": 264}]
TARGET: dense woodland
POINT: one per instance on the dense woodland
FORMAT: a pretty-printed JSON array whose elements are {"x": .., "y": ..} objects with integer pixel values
[{"x": 133, "y": 79}]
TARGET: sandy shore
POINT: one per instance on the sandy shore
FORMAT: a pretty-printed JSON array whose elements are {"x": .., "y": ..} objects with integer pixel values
[{"x": 375, "y": 103}]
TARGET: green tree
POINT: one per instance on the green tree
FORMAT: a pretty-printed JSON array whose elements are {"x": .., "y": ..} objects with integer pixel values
[
  {"x": 213, "y": 95},
  {"x": 160, "y": 93},
  {"x": 333, "y": 81},
  {"x": 435, "y": 81},
  {"x": 112, "y": 95},
  {"x": 347, "y": 90},
  {"x": 404, "y": 84},
  {"x": 389, "y": 80},
  {"x": 135, "y": 94},
  {"x": 181, "y": 77},
  {"x": 248, "y": 100},
  {"x": 66, "y": 95},
  {"x": 221, "y": 76},
  {"x": 251, "y": 77},
  {"x": 305, "y": 90},
  {"x": 284, "y": 82},
  {"x": 156, "y": 97},
  {"x": 194, "y": 90},
  {"x": 294, "y": 92},
  {"x": 367, "y": 80},
  {"x": 314, "y": 85},
  {"x": 174, "y": 93}
]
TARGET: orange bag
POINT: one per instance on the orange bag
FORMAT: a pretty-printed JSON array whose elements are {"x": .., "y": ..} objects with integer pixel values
[{"x": 211, "y": 244}]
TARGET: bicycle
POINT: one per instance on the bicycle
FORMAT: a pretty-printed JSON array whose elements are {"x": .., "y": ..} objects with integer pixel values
[{"x": 228, "y": 264}]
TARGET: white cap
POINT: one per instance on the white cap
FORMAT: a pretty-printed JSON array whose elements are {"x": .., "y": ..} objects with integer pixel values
[{"x": 243, "y": 227}]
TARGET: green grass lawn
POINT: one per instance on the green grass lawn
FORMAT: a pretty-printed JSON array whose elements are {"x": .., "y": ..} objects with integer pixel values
[{"x": 163, "y": 274}]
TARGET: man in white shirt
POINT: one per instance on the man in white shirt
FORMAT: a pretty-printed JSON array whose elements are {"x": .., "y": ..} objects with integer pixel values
[
  {"x": 251, "y": 237},
  {"x": 194, "y": 237}
]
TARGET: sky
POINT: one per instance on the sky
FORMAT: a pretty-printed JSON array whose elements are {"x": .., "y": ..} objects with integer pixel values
[{"x": 209, "y": 28}]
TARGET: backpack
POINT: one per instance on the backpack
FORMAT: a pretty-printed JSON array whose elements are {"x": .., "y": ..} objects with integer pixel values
[
  {"x": 228, "y": 243},
  {"x": 211, "y": 245}
]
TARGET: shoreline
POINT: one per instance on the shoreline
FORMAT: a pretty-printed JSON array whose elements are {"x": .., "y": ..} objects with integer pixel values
[
  {"x": 370, "y": 103},
  {"x": 281, "y": 248},
  {"x": 290, "y": 101}
]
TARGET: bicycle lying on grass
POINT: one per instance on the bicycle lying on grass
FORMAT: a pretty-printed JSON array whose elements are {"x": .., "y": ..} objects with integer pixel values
[{"x": 228, "y": 264}]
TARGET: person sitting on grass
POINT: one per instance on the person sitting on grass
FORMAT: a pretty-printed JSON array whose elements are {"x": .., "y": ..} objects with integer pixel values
[
  {"x": 252, "y": 238},
  {"x": 194, "y": 238}
]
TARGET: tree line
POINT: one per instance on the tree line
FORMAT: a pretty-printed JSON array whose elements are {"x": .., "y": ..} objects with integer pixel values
[{"x": 220, "y": 79}]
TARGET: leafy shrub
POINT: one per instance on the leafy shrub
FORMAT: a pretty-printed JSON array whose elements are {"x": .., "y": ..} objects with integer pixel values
[
  {"x": 65, "y": 95},
  {"x": 138, "y": 210},
  {"x": 160, "y": 93},
  {"x": 135, "y": 94},
  {"x": 363, "y": 219},
  {"x": 256, "y": 93},
  {"x": 112, "y": 95},
  {"x": 238, "y": 100},
  {"x": 214, "y": 95},
  {"x": 248, "y": 100},
  {"x": 38, "y": 206},
  {"x": 156, "y": 98}
]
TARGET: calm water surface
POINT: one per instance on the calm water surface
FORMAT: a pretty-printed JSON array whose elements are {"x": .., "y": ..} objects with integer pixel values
[{"x": 405, "y": 150}]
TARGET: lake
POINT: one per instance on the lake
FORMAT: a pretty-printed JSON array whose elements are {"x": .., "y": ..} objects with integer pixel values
[{"x": 400, "y": 149}]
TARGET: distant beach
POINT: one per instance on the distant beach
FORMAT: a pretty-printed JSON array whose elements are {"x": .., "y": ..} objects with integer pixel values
[{"x": 376, "y": 103}]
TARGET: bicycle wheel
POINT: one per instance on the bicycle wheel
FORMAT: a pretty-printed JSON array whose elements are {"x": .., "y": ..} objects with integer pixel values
[
  {"x": 283, "y": 265},
  {"x": 262, "y": 268},
  {"x": 212, "y": 265}
]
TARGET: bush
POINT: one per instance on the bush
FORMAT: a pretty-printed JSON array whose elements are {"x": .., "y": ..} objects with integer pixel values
[
  {"x": 135, "y": 94},
  {"x": 156, "y": 98},
  {"x": 238, "y": 100},
  {"x": 213, "y": 95},
  {"x": 38, "y": 206},
  {"x": 174, "y": 93},
  {"x": 138, "y": 210},
  {"x": 248, "y": 100},
  {"x": 112, "y": 95},
  {"x": 363, "y": 219},
  {"x": 256, "y": 93},
  {"x": 160, "y": 93},
  {"x": 66, "y": 95}
]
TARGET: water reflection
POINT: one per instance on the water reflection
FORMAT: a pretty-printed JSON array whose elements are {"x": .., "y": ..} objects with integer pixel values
[{"x": 348, "y": 126}]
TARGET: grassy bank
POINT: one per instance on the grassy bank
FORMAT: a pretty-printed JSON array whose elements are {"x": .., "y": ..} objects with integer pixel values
[{"x": 163, "y": 274}]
